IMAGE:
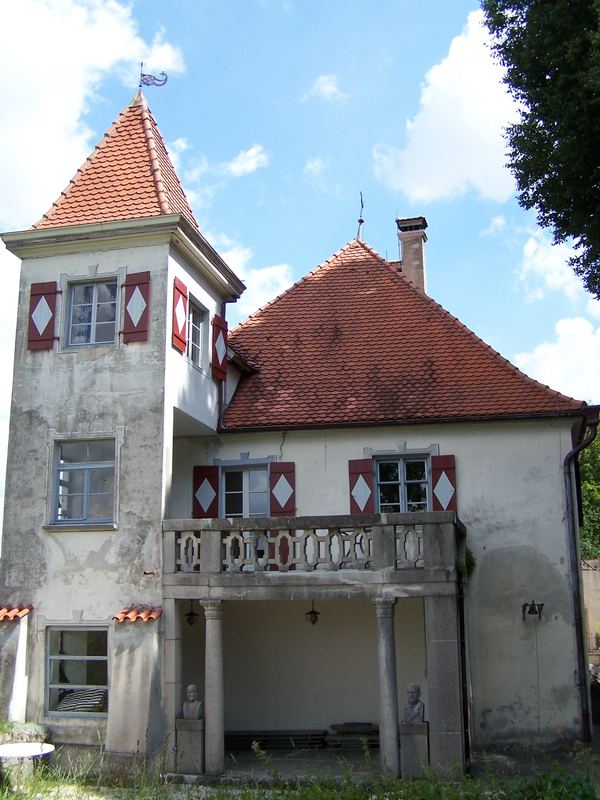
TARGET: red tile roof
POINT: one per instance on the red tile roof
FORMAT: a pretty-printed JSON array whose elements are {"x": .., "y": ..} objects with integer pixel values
[
  {"x": 354, "y": 342},
  {"x": 128, "y": 175},
  {"x": 13, "y": 613},
  {"x": 138, "y": 614}
]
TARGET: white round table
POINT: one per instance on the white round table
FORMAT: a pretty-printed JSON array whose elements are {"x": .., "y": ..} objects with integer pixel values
[{"x": 18, "y": 757}]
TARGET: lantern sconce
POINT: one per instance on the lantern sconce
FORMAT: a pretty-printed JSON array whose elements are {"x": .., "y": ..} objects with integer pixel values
[
  {"x": 312, "y": 616},
  {"x": 532, "y": 609},
  {"x": 192, "y": 617}
]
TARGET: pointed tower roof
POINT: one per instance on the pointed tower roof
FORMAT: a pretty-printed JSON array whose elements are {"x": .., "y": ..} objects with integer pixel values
[
  {"x": 129, "y": 175},
  {"x": 355, "y": 343}
]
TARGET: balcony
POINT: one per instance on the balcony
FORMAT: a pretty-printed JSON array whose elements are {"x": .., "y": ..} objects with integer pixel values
[{"x": 294, "y": 556}]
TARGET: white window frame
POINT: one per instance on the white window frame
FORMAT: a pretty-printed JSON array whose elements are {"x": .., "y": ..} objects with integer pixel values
[
  {"x": 95, "y": 304},
  {"x": 53, "y": 441},
  {"x": 50, "y": 658},
  {"x": 402, "y": 460},
  {"x": 198, "y": 359},
  {"x": 245, "y": 469}
]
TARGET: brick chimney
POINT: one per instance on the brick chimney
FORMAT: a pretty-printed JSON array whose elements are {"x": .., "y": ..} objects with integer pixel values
[{"x": 411, "y": 239}]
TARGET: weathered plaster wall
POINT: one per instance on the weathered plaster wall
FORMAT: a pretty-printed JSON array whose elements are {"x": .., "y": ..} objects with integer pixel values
[
  {"x": 282, "y": 673},
  {"x": 591, "y": 590},
  {"x": 511, "y": 499}
]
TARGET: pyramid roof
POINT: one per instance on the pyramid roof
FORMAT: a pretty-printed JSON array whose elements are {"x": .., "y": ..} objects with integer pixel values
[
  {"x": 129, "y": 175},
  {"x": 355, "y": 343}
]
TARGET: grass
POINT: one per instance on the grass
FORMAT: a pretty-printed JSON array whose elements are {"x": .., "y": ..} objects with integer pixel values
[{"x": 51, "y": 783}]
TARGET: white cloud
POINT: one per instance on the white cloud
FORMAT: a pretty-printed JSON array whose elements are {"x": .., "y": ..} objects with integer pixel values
[
  {"x": 54, "y": 55},
  {"x": 326, "y": 87},
  {"x": 593, "y": 308},
  {"x": 569, "y": 363},
  {"x": 247, "y": 161},
  {"x": 263, "y": 283},
  {"x": 497, "y": 224},
  {"x": 315, "y": 166},
  {"x": 176, "y": 150},
  {"x": 454, "y": 143},
  {"x": 544, "y": 268}
]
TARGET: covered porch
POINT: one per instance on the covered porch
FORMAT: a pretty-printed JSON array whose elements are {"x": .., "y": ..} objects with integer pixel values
[{"x": 387, "y": 591}]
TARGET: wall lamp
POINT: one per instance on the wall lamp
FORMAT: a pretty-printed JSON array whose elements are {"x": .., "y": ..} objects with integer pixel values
[
  {"x": 192, "y": 617},
  {"x": 532, "y": 609},
  {"x": 312, "y": 616}
]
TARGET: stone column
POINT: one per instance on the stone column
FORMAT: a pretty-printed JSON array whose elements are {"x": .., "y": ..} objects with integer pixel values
[
  {"x": 172, "y": 679},
  {"x": 214, "y": 698},
  {"x": 388, "y": 687},
  {"x": 444, "y": 684}
]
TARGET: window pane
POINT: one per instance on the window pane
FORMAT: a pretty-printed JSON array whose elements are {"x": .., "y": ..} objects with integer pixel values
[
  {"x": 389, "y": 493},
  {"x": 233, "y": 505},
  {"x": 257, "y": 480},
  {"x": 415, "y": 471},
  {"x": 71, "y": 671},
  {"x": 101, "y": 481},
  {"x": 82, "y": 293},
  {"x": 388, "y": 470},
  {"x": 258, "y": 504},
  {"x": 80, "y": 334},
  {"x": 82, "y": 315},
  {"x": 107, "y": 292},
  {"x": 70, "y": 506},
  {"x": 102, "y": 450},
  {"x": 106, "y": 312},
  {"x": 233, "y": 481},
  {"x": 391, "y": 507},
  {"x": 105, "y": 332},
  {"x": 100, "y": 506},
  {"x": 71, "y": 481}
]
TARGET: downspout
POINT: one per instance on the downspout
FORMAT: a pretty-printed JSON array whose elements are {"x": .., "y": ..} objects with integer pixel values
[{"x": 591, "y": 422}]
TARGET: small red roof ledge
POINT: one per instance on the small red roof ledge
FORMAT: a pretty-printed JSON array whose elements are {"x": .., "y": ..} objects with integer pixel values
[
  {"x": 138, "y": 614},
  {"x": 128, "y": 175},
  {"x": 13, "y": 613}
]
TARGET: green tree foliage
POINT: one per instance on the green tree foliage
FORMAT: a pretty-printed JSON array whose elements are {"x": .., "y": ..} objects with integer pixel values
[
  {"x": 590, "y": 500},
  {"x": 551, "y": 52}
]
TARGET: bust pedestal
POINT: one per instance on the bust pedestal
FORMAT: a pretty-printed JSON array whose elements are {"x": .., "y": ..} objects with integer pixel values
[
  {"x": 190, "y": 746},
  {"x": 414, "y": 749}
]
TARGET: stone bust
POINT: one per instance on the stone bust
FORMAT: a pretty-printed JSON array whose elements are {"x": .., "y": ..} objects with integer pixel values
[
  {"x": 414, "y": 710},
  {"x": 192, "y": 707}
]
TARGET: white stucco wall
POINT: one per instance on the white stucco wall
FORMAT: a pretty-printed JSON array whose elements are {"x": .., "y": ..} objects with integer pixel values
[
  {"x": 282, "y": 673},
  {"x": 511, "y": 499}
]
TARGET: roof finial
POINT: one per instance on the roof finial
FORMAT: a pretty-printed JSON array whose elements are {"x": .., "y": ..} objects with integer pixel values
[
  {"x": 360, "y": 217},
  {"x": 150, "y": 80}
]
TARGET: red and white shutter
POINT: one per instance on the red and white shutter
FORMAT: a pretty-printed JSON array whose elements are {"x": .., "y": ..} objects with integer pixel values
[
  {"x": 443, "y": 482},
  {"x": 205, "y": 502},
  {"x": 137, "y": 307},
  {"x": 180, "y": 307},
  {"x": 362, "y": 498},
  {"x": 282, "y": 488},
  {"x": 219, "y": 348},
  {"x": 42, "y": 316}
]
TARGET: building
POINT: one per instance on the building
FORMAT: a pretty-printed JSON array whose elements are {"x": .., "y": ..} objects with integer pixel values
[{"x": 351, "y": 449}]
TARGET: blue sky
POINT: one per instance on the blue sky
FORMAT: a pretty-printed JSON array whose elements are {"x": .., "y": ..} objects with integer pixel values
[{"x": 277, "y": 114}]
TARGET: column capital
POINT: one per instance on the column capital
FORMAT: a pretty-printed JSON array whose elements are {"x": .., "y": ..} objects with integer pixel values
[
  {"x": 384, "y": 606},
  {"x": 213, "y": 609}
]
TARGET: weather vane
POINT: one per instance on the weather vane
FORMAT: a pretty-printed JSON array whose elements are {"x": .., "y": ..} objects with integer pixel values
[
  {"x": 150, "y": 80},
  {"x": 360, "y": 217}
]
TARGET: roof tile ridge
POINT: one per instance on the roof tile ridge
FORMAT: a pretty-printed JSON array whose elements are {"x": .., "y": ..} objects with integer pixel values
[
  {"x": 252, "y": 317},
  {"x": 371, "y": 251},
  {"x": 441, "y": 311},
  {"x": 90, "y": 158},
  {"x": 155, "y": 169}
]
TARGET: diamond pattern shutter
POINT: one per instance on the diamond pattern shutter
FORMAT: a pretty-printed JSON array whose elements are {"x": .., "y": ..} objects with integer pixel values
[
  {"x": 205, "y": 502},
  {"x": 137, "y": 307},
  {"x": 443, "y": 482},
  {"x": 180, "y": 306},
  {"x": 42, "y": 316},
  {"x": 219, "y": 348},
  {"x": 282, "y": 488},
  {"x": 362, "y": 499}
]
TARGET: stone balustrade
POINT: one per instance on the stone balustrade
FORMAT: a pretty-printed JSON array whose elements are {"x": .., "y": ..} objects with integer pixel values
[{"x": 360, "y": 543}]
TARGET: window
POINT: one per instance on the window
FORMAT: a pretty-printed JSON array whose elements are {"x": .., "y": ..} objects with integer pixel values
[
  {"x": 92, "y": 312},
  {"x": 194, "y": 333},
  {"x": 246, "y": 492},
  {"x": 403, "y": 484},
  {"x": 85, "y": 478},
  {"x": 77, "y": 671}
]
